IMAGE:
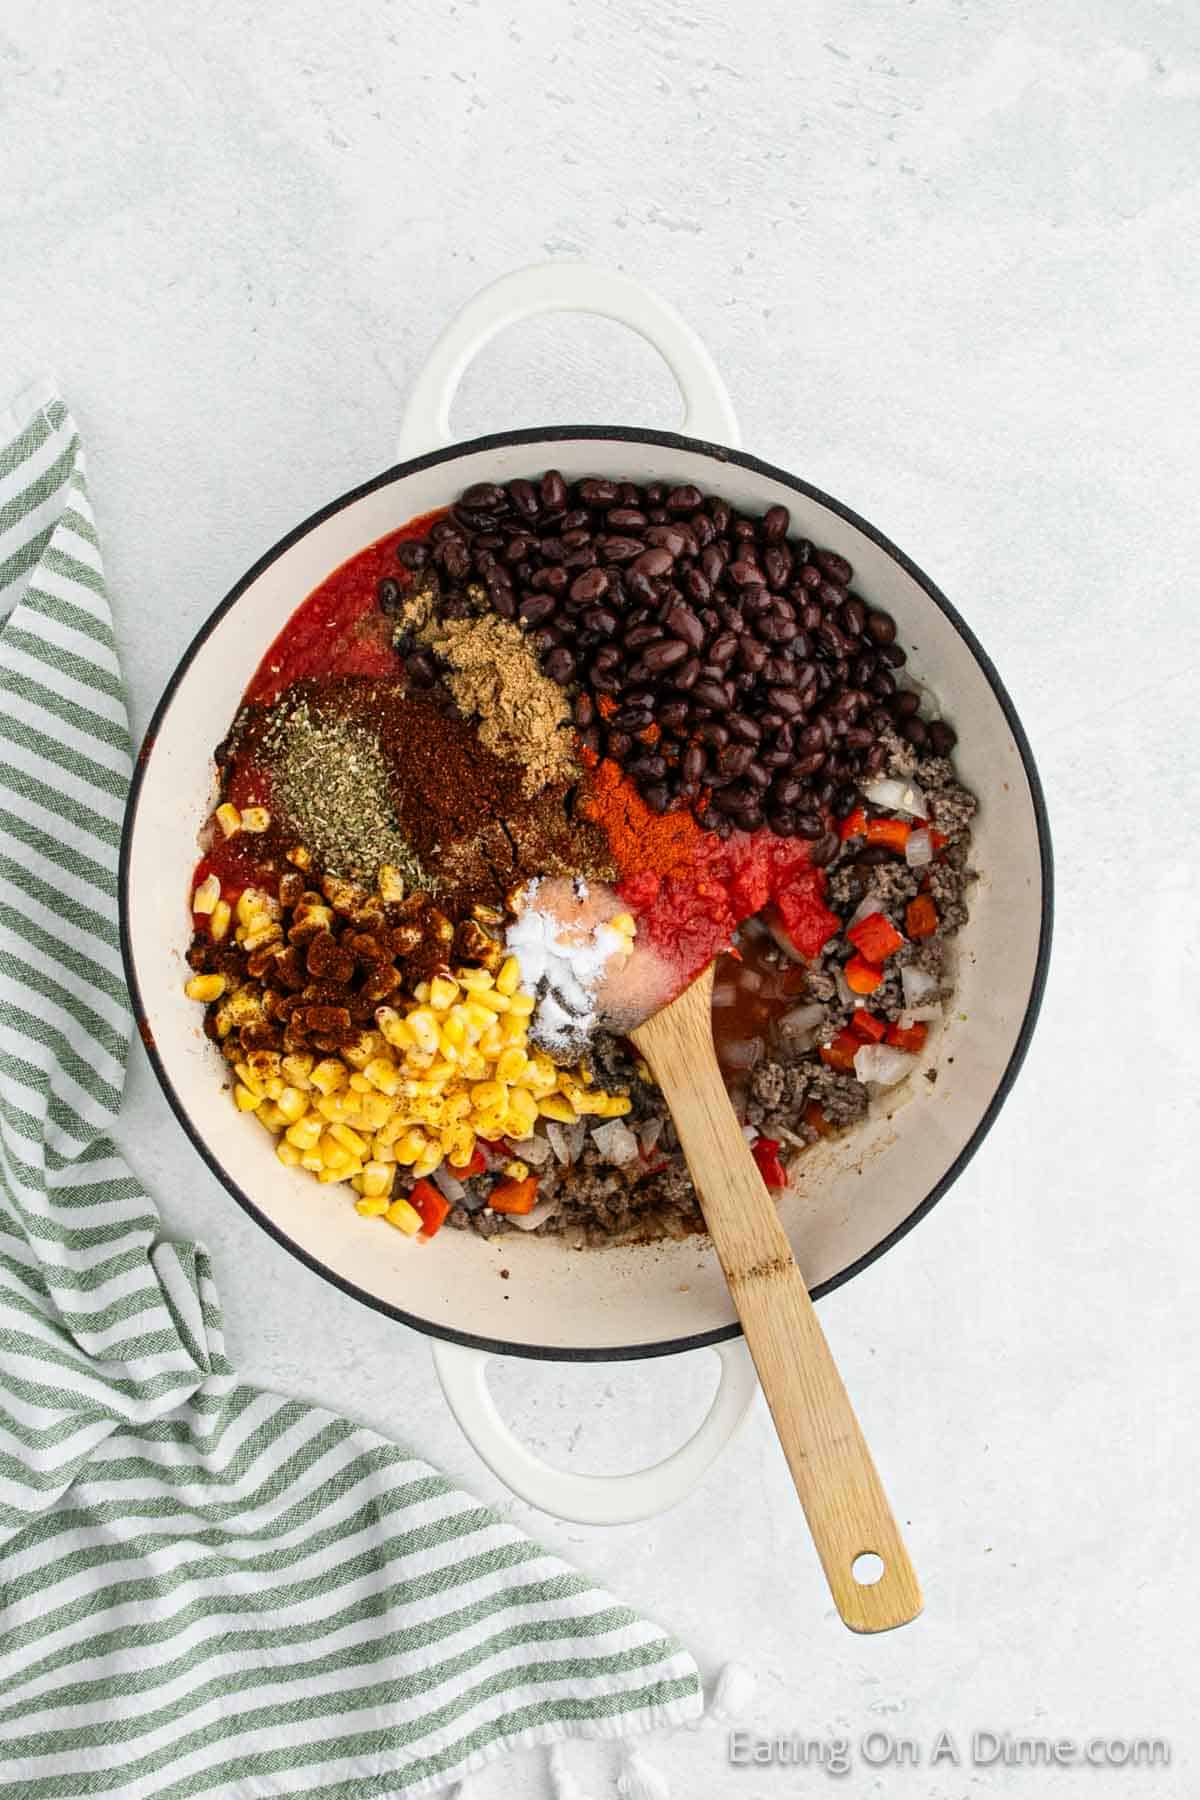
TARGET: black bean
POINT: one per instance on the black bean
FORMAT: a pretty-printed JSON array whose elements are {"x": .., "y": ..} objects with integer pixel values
[
  {"x": 553, "y": 492},
  {"x": 667, "y": 537},
  {"x": 835, "y": 566},
  {"x": 775, "y": 524},
  {"x": 649, "y": 766},
  {"x": 655, "y": 561},
  {"x": 758, "y": 777},
  {"x": 545, "y": 638},
  {"x": 723, "y": 649},
  {"x": 942, "y": 737},
  {"x": 853, "y": 616},
  {"x": 625, "y": 518},
  {"x": 550, "y": 581},
  {"x": 504, "y": 601},
  {"x": 698, "y": 585},
  {"x": 859, "y": 737},
  {"x": 709, "y": 693},
  {"x": 809, "y": 825},
  {"x": 584, "y": 557},
  {"x": 881, "y": 627},
  {"x": 589, "y": 740},
  {"x": 657, "y": 796},
  {"x": 551, "y": 550},
  {"x": 883, "y": 683},
  {"x": 712, "y": 562},
  {"x": 683, "y": 622},
  {"x": 824, "y": 850},
  {"x": 776, "y": 629},
  {"x": 585, "y": 711},
  {"x": 810, "y": 576},
  {"x": 702, "y": 529},
  {"x": 597, "y": 492},
  {"x": 619, "y": 745},
  {"x": 752, "y": 656},
  {"x": 536, "y": 608},
  {"x": 777, "y": 565},
  {"x": 631, "y": 718},
  {"x": 904, "y": 704},
  {"x": 422, "y": 668},
  {"x": 845, "y": 799},
  {"x": 589, "y": 586},
  {"x": 745, "y": 573},
  {"x": 573, "y": 539},
  {"x": 601, "y": 619},
  {"x": 684, "y": 499},
  {"x": 665, "y": 655},
  {"x": 619, "y": 549},
  {"x": 673, "y": 715},
  {"x": 782, "y": 822},
  {"x": 485, "y": 496},
  {"x": 785, "y": 701},
  {"x": 411, "y": 553},
  {"x": 560, "y": 665},
  {"x": 808, "y": 765},
  {"x": 893, "y": 655},
  {"x": 687, "y": 674},
  {"x": 389, "y": 595},
  {"x": 915, "y": 731}
]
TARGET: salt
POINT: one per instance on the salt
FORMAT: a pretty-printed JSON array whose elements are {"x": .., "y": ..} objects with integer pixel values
[{"x": 564, "y": 946}]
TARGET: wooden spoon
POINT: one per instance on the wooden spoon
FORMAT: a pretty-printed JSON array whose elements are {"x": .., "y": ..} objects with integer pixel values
[{"x": 840, "y": 1491}]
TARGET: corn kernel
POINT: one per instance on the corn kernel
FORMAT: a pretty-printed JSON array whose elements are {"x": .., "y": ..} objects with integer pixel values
[
  {"x": 245, "y": 1099},
  {"x": 588, "y": 1100},
  {"x": 327, "y": 1076},
  {"x": 391, "y": 884},
  {"x": 431, "y": 1160},
  {"x": 625, "y": 923},
  {"x": 522, "y": 1105},
  {"x": 252, "y": 901},
  {"x": 375, "y": 1110},
  {"x": 383, "y": 1074},
  {"x": 206, "y": 895},
  {"x": 509, "y": 978},
  {"x": 490, "y": 1125},
  {"x": 479, "y": 1019},
  {"x": 366, "y": 1045},
  {"x": 305, "y": 1134},
  {"x": 328, "y": 1176},
  {"x": 260, "y": 934},
  {"x": 229, "y": 819},
  {"x": 424, "y": 1028},
  {"x": 299, "y": 856},
  {"x": 372, "y": 1206},
  {"x": 268, "y": 1114},
  {"x": 511, "y": 1065},
  {"x": 513, "y": 1030},
  {"x": 411, "y": 1146},
  {"x": 404, "y": 1217},
  {"x": 553, "y": 1106},
  {"x": 292, "y": 1104},
  {"x": 255, "y": 818},
  {"x": 393, "y": 1028},
  {"x": 218, "y": 924},
  {"x": 205, "y": 987},
  {"x": 377, "y": 1178},
  {"x": 298, "y": 1067},
  {"x": 617, "y": 1105},
  {"x": 487, "y": 1095},
  {"x": 522, "y": 1005},
  {"x": 287, "y": 1153},
  {"x": 349, "y": 1140},
  {"x": 476, "y": 981},
  {"x": 492, "y": 1042},
  {"x": 458, "y": 1144},
  {"x": 442, "y": 993},
  {"x": 494, "y": 1001},
  {"x": 516, "y": 1170}
]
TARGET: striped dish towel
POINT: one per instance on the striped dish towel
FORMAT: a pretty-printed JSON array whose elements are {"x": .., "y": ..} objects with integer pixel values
[{"x": 204, "y": 1589}]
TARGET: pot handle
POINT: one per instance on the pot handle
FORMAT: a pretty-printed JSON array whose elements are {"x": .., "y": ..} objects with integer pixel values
[
  {"x": 592, "y": 1499},
  {"x": 566, "y": 287}
]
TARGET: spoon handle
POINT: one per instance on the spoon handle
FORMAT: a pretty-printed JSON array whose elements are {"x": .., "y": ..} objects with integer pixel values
[{"x": 839, "y": 1488}]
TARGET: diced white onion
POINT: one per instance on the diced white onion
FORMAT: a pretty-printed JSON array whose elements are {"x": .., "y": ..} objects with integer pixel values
[
  {"x": 801, "y": 1018},
  {"x": 576, "y": 1136},
  {"x": 749, "y": 980},
  {"x": 741, "y": 1053},
  {"x": 534, "y": 1150},
  {"x": 881, "y": 1065},
  {"x": 558, "y": 1140},
  {"x": 615, "y": 1142},
  {"x": 749, "y": 1132},
  {"x": 870, "y": 903},
  {"x": 536, "y": 1216},
  {"x": 650, "y": 1132},
  {"x": 918, "y": 984},
  {"x": 846, "y": 993},
  {"x": 898, "y": 796},
  {"x": 724, "y": 994},
  {"x": 914, "y": 1015},
  {"x": 919, "y": 849},
  {"x": 775, "y": 927},
  {"x": 447, "y": 1184}
]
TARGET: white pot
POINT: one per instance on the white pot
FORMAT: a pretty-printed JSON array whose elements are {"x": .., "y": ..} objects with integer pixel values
[{"x": 859, "y": 1194}]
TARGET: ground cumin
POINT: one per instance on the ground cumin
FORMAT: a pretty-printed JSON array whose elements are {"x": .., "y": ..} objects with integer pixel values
[{"x": 524, "y": 717}]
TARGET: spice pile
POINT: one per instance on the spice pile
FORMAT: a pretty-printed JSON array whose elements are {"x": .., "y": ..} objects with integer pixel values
[{"x": 681, "y": 722}]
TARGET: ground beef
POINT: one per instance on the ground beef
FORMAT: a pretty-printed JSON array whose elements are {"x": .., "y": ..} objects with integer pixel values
[
  {"x": 902, "y": 758},
  {"x": 769, "y": 1084},
  {"x": 935, "y": 772},
  {"x": 888, "y": 998},
  {"x": 821, "y": 985},
  {"x": 841, "y": 1098},
  {"x": 845, "y": 887},
  {"x": 927, "y": 953},
  {"x": 612, "y": 1063},
  {"x": 952, "y": 809},
  {"x": 893, "y": 884},
  {"x": 947, "y": 888}
]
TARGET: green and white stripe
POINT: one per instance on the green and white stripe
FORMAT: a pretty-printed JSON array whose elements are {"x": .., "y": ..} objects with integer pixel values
[{"x": 204, "y": 1589}]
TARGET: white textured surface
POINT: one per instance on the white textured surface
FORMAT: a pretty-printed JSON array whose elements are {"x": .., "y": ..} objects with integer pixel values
[{"x": 946, "y": 257}]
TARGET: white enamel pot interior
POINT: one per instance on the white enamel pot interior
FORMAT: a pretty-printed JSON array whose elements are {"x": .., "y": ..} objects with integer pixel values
[{"x": 858, "y": 1194}]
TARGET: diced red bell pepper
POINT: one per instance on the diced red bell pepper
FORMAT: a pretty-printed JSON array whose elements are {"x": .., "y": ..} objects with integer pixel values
[
  {"x": 908, "y": 1037},
  {"x": 765, "y": 1152},
  {"x": 814, "y": 1115},
  {"x": 920, "y": 917},
  {"x": 514, "y": 1196},
  {"x": 433, "y": 1207},
  {"x": 862, "y": 977},
  {"x": 895, "y": 833},
  {"x": 854, "y": 824},
  {"x": 877, "y": 938},
  {"x": 866, "y": 1026},
  {"x": 841, "y": 1053}
]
